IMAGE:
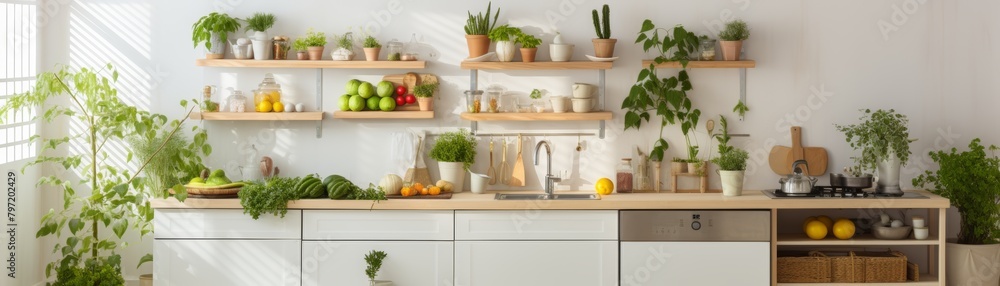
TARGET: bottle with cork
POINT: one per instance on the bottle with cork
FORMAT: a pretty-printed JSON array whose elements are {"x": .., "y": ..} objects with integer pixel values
[{"x": 207, "y": 105}]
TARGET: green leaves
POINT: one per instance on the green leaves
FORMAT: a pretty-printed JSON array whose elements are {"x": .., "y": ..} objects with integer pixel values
[
  {"x": 457, "y": 146},
  {"x": 877, "y": 134},
  {"x": 75, "y": 225},
  {"x": 220, "y": 23},
  {"x": 145, "y": 258}
]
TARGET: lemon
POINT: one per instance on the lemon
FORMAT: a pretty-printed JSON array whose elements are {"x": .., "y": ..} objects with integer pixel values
[
  {"x": 264, "y": 106},
  {"x": 827, "y": 221},
  {"x": 604, "y": 186},
  {"x": 816, "y": 229},
  {"x": 806, "y": 222},
  {"x": 278, "y": 107},
  {"x": 843, "y": 228}
]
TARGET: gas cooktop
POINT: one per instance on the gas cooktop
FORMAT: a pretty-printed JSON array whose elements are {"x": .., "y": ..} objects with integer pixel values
[{"x": 828, "y": 192}]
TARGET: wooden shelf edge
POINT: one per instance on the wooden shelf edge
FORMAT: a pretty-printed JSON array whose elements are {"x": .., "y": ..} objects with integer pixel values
[
  {"x": 571, "y": 65},
  {"x": 383, "y": 115},
  {"x": 234, "y": 63},
  {"x": 795, "y": 239},
  {"x": 258, "y": 116},
  {"x": 546, "y": 116},
  {"x": 748, "y": 64}
]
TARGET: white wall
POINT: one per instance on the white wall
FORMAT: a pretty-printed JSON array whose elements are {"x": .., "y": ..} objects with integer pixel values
[{"x": 817, "y": 63}]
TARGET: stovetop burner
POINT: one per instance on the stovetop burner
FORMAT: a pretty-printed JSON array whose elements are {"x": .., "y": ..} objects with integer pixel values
[{"x": 839, "y": 192}]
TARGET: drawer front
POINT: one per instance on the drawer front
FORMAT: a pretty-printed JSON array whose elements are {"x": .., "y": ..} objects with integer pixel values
[
  {"x": 378, "y": 225},
  {"x": 536, "y": 225},
  {"x": 227, "y": 262},
  {"x": 220, "y": 224},
  {"x": 538, "y": 263}
]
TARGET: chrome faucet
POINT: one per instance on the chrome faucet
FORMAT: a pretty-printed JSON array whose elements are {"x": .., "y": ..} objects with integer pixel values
[{"x": 550, "y": 180}]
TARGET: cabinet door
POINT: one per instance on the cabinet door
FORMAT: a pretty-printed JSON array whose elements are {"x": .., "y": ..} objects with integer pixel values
[
  {"x": 536, "y": 263},
  {"x": 354, "y": 225},
  {"x": 533, "y": 225},
  {"x": 696, "y": 263},
  {"x": 221, "y": 224},
  {"x": 226, "y": 262},
  {"x": 409, "y": 263}
]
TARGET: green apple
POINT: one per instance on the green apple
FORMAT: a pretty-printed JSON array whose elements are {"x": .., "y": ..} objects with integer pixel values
[
  {"x": 344, "y": 102},
  {"x": 373, "y": 102},
  {"x": 387, "y": 104},
  {"x": 352, "y": 86},
  {"x": 357, "y": 103},
  {"x": 366, "y": 89}
]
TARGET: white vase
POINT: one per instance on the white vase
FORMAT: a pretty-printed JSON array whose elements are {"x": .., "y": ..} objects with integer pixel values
[
  {"x": 968, "y": 264},
  {"x": 453, "y": 172},
  {"x": 887, "y": 175},
  {"x": 218, "y": 46},
  {"x": 260, "y": 48},
  {"x": 506, "y": 51},
  {"x": 732, "y": 182}
]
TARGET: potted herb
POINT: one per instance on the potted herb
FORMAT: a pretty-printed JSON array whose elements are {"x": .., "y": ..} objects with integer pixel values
[
  {"x": 731, "y": 39},
  {"x": 504, "y": 37},
  {"x": 732, "y": 166},
  {"x": 529, "y": 46},
  {"x": 971, "y": 180},
  {"x": 374, "y": 261},
  {"x": 260, "y": 23},
  {"x": 476, "y": 30},
  {"x": 301, "y": 46},
  {"x": 214, "y": 30},
  {"x": 425, "y": 95},
  {"x": 884, "y": 141},
  {"x": 455, "y": 152},
  {"x": 536, "y": 101},
  {"x": 345, "y": 48},
  {"x": 314, "y": 42},
  {"x": 604, "y": 45},
  {"x": 372, "y": 48}
]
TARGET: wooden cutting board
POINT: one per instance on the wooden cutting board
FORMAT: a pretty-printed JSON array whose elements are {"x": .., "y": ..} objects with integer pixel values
[
  {"x": 781, "y": 157},
  {"x": 410, "y": 80}
]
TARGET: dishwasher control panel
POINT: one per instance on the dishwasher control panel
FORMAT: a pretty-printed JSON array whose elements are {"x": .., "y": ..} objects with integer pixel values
[{"x": 691, "y": 225}]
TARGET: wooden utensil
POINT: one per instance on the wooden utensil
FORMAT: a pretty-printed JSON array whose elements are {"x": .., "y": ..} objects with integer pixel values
[
  {"x": 503, "y": 165},
  {"x": 517, "y": 176},
  {"x": 781, "y": 157},
  {"x": 491, "y": 172}
]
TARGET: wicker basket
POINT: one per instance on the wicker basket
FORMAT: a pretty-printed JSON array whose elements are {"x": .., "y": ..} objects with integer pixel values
[
  {"x": 799, "y": 267},
  {"x": 884, "y": 266},
  {"x": 912, "y": 272},
  {"x": 846, "y": 267}
]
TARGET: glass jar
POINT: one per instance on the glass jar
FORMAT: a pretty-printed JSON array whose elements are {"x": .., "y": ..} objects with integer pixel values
[
  {"x": 207, "y": 105},
  {"x": 473, "y": 100},
  {"x": 268, "y": 89},
  {"x": 707, "y": 50},
  {"x": 236, "y": 101},
  {"x": 394, "y": 50},
  {"x": 280, "y": 51},
  {"x": 642, "y": 180},
  {"x": 412, "y": 49},
  {"x": 493, "y": 98},
  {"x": 624, "y": 174}
]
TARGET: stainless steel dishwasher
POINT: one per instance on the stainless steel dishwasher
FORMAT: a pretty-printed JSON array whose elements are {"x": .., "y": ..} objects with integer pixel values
[{"x": 690, "y": 247}]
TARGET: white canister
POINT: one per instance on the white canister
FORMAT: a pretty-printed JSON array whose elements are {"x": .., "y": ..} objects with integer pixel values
[
  {"x": 918, "y": 222},
  {"x": 560, "y": 104},
  {"x": 583, "y": 105},
  {"x": 479, "y": 182},
  {"x": 921, "y": 233}
]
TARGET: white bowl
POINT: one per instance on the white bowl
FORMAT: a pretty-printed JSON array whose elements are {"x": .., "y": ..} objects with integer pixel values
[{"x": 561, "y": 52}]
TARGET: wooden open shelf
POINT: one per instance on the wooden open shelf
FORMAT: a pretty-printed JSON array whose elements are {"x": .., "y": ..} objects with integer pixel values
[
  {"x": 384, "y": 114},
  {"x": 545, "y": 116},
  {"x": 258, "y": 116},
  {"x": 925, "y": 279},
  {"x": 799, "y": 239},
  {"x": 321, "y": 64},
  {"x": 575, "y": 65},
  {"x": 747, "y": 64}
]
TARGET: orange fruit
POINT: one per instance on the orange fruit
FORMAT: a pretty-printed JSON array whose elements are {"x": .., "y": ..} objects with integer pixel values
[
  {"x": 406, "y": 191},
  {"x": 434, "y": 190},
  {"x": 604, "y": 186},
  {"x": 424, "y": 191},
  {"x": 816, "y": 229},
  {"x": 418, "y": 186},
  {"x": 843, "y": 228}
]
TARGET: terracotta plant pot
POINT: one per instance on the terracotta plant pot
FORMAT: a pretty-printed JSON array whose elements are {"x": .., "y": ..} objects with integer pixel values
[
  {"x": 315, "y": 53},
  {"x": 425, "y": 103},
  {"x": 528, "y": 54},
  {"x": 731, "y": 50},
  {"x": 604, "y": 48},
  {"x": 371, "y": 54},
  {"x": 478, "y": 45},
  {"x": 302, "y": 55}
]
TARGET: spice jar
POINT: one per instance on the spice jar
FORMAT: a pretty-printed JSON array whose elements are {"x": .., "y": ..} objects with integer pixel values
[
  {"x": 280, "y": 51},
  {"x": 493, "y": 99},
  {"x": 236, "y": 101},
  {"x": 268, "y": 89},
  {"x": 707, "y": 49},
  {"x": 473, "y": 100},
  {"x": 395, "y": 49},
  {"x": 624, "y": 176}
]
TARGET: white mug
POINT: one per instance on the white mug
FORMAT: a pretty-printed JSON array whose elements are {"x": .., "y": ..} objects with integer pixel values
[
  {"x": 559, "y": 104},
  {"x": 583, "y": 105},
  {"x": 584, "y": 90},
  {"x": 921, "y": 232}
]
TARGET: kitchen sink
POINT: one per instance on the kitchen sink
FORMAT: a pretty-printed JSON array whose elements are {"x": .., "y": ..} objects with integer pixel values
[{"x": 514, "y": 197}]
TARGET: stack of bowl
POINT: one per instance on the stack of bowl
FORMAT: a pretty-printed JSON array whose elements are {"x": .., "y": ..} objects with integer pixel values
[{"x": 583, "y": 97}]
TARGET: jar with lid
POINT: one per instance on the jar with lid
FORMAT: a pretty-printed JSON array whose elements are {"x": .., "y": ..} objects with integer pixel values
[
  {"x": 493, "y": 99},
  {"x": 412, "y": 49},
  {"x": 207, "y": 105},
  {"x": 624, "y": 174},
  {"x": 268, "y": 89},
  {"x": 473, "y": 100},
  {"x": 395, "y": 50},
  {"x": 707, "y": 49},
  {"x": 280, "y": 48},
  {"x": 236, "y": 101}
]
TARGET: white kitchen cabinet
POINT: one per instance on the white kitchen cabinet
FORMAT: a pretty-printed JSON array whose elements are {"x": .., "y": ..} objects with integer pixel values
[
  {"x": 223, "y": 224},
  {"x": 536, "y": 263},
  {"x": 409, "y": 263},
  {"x": 226, "y": 262},
  {"x": 378, "y": 225},
  {"x": 672, "y": 263},
  {"x": 536, "y": 225}
]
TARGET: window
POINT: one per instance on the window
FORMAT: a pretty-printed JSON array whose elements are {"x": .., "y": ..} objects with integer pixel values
[{"x": 19, "y": 62}]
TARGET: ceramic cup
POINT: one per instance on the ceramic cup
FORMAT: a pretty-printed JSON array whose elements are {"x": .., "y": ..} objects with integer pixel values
[
  {"x": 921, "y": 232},
  {"x": 584, "y": 90},
  {"x": 560, "y": 52},
  {"x": 560, "y": 104},
  {"x": 918, "y": 222},
  {"x": 479, "y": 183},
  {"x": 584, "y": 104}
]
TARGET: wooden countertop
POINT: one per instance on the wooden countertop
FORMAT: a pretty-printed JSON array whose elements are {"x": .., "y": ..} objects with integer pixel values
[{"x": 470, "y": 201}]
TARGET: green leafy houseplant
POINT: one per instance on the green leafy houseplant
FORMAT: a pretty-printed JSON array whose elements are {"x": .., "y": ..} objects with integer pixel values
[
  {"x": 371, "y": 42},
  {"x": 115, "y": 200},
  {"x": 733, "y": 159},
  {"x": 504, "y": 33},
  {"x": 300, "y": 44},
  {"x": 172, "y": 159},
  {"x": 971, "y": 180},
  {"x": 374, "y": 261},
  {"x": 535, "y": 94},
  {"x": 665, "y": 97},
  {"x": 219, "y": 23},
  {"x": 456, "y": 146},
  {"x": 313, "y": 39},
  {"x": 260, "y": 22},
  {"x": 603, "y": 31},
  {"x": 425, "y": 90},
  {"x": 879, "y": 133},
  {"x": 480, "y": 24},
  {"x": 735, "y": 30},
  {"x": 527, "y": 41},
  {"x": 345, "y": 41}
]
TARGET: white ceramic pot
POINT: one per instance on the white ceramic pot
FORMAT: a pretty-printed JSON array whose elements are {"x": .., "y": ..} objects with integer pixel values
[
  {"x": 453, "y": 172},
  {"x": 478, "y": 184},
  {"x": 584, "y": 90},
  {"x": 380, "y": 283},
  {"x": 561, "y": 52},
  {"x": 732, "y": 182},
  {"x": 146, "y": 280},
  {"x": 218, "y": 49},
  {"x": 260, "y": 48},
  {"x": 506, "y": 51},
  {"x": 583, "y": 105},
  {"x": 972, "y": 264},
  {"x": 559, "y": 104}
]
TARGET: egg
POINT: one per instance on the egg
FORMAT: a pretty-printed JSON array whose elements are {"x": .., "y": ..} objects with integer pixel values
[
  {"x": 289, "y": 107},
  {"x": 300, "y": 107},
  {"x": 897, "y": 223}
]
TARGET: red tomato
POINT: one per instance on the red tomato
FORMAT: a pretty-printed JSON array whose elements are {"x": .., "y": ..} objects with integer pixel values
[
  {"x": 400, "y": 90},
  {"x": 410, "y": 99},
  {"x": 400, "y": 101}
]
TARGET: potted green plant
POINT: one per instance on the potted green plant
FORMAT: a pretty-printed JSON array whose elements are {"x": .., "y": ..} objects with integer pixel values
[
  {"x": 504, "y": 37},
  {"x": 213, "y": 30},
  {"x": 971, "y": 180},
  {"x": 372, "y": 48},
  {"x": 604, "y": 45},
  {"x": 301, "y": 47},
  {"x": 884, "y": 141},
  {"x": 529, "y": 46},
  {"x": 732, "y": 167},
  {"x": 260, "y": 23},
  {"x": 315, "y": 42},
  {"x": 425, "y": 95},
  {"x": 476, "y": 30},
  {"x": 374, "y": 261},
  {"x": 537, "y": 104},
  {"x": 455, "y": 152},
  {"x": 345, "y": 47},
  {"x": 731, "y": 39}
]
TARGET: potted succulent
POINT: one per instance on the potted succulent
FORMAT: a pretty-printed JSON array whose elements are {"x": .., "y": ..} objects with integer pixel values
[
  {"x": 732, "y": 166},
  {"x": 455, "y": 152},
  {"x": 213, "y": 29},
  {"x": 425, "y": 95},
  {"x": 301, "y": 47},
  {"x": 372, "y": 48},
  {"x": 260, "y": 23},
  {"x": 731, "y": 39},
  {"x": 476, "y": 30},
  {"x": 604, "y": 45},
  {"x": 315, "y": 42},
  {"x": 345, "y": 48},
  {"x": 529, "y": 46},
  {"x": 374, "y": 261},
  {"x": 884, "y": 141},
  {"x": 504, "y": 37},
  {"x": 971, "y": 180}
]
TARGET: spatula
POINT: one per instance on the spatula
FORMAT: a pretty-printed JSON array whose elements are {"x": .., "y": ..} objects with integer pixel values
[{"x": 517, "y": 175}]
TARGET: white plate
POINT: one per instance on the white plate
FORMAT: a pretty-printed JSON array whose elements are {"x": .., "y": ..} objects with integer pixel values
[
  {"x": 484, "y": 58},
  {"x": 596, "y": 59}
]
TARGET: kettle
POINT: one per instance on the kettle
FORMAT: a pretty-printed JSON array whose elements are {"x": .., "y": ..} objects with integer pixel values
[{"x": 797, "y": 183}]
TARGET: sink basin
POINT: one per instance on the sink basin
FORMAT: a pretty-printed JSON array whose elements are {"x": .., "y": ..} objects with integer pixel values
[{"x": 509, "y": 197}]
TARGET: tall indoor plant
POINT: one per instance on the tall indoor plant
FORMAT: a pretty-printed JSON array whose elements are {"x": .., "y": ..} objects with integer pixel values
[
  {"x": 504, "y": 37},
  {"x": 529, "y": 46},
  {"x": 971, "y": 180},
  {"x": 455, "y": 152},
  {"x": 604, "y": 45},
  {"x": 259, "y": 23},
  {"x": 731, "y": 39},
  {"x": 884, "y": 141},
  {"x": 476, "y": 30},
  {"x": 213, "y": 30}
]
